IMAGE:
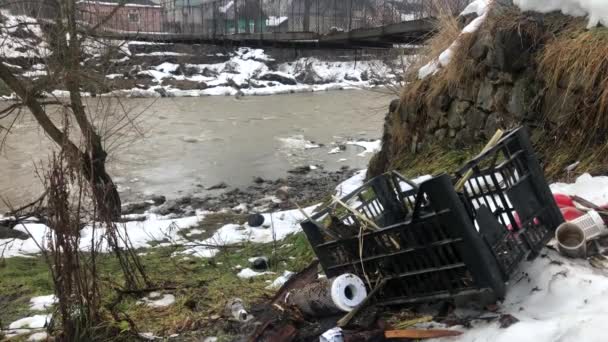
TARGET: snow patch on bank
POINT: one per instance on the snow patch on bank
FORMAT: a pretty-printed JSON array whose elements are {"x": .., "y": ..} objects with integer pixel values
[
  {"x": 141, "y": 234},
  {"x": 279, "y": 225},
  {"x": 21, "y": 37},
  {"x": 479, "y": 7},
  {"x": 369, "y": 146},
  {"x": 351, "y": 184},
  {"x": 157, "y": 300},
  {"x": 560, "y": 299},
  {"x": 595, "y": 10},
  {"x": 42, "y": 303},
  {"x": 298, "y": 142},
  {"x": 593, "y": 189},
  {"x": 33, "y": 322}
]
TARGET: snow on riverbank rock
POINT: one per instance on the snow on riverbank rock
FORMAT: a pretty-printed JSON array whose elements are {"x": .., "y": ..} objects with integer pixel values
[
  {"x": 478, "y": 7},
  {"x": 33, "y": 322},
  {"x": 42, "y": 303}
]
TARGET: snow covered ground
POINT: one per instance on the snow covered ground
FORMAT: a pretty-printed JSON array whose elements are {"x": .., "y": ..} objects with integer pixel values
[
  {"x": 252, "y": 72},
  {"x": 560, "y": 299}
]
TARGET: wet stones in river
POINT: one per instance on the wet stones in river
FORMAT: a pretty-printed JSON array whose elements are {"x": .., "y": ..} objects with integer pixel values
[
  {"x": 209, "y": 72},
  {"x": 351, "y": 78},
  {"x": 136, "y": 207},
  {"x": 300, "y": 170},
  {"x": 157, "y": 199},
  {"x": 218, "y": 186}
]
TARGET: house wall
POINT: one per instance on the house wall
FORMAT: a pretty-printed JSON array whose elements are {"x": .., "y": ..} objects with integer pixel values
[
  {"x": 187, "y": 19},
  {"x": 134, "y": 18}
]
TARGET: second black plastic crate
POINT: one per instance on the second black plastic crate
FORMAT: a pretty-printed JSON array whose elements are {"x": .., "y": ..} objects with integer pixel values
[{"x": 509, "y": 200}]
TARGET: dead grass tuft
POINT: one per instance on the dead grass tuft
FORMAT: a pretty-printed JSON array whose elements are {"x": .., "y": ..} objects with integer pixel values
[
  {"x": 447, "y": 29},
  {"x": 575, "y": 63}
]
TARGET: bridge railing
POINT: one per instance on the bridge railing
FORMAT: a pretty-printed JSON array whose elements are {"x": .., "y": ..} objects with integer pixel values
[
  {"x": 218, "y": 18},
  {"x": 260, "y": 16}
]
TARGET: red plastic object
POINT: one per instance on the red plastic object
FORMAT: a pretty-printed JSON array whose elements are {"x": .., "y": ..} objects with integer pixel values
[
  {"x": 563, "y": 201},
  {"x": 518, "y": 221},
  {"x": 571, "y": 213}
]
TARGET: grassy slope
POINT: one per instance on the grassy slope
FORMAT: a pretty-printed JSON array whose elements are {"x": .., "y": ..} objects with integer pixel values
[{"x": 202, "y": 285}]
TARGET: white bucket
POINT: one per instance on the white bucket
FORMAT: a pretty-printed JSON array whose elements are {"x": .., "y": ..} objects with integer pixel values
[{"x": 592, "y": 224}]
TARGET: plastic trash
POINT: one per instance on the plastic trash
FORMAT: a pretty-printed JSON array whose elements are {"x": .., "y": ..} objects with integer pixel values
[
  {"x": 332, "y": 335},
  {"x": 592, "y": 224},
  {"x": 326, "y": 297},
  {"x": 571, "y": 213},
  {"x": 563, "y": 201},
  {"x": 236, "y": 308}
]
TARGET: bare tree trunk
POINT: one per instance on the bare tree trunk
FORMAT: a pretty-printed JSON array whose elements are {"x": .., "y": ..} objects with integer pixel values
[
  {"x": 94, "y": 158},
  {"x": 66, "y": 57}
]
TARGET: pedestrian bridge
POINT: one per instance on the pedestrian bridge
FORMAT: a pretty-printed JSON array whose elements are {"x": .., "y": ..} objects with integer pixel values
[
  {"x": 409, "y": 32},
  {"x": 303, "y": 23}
]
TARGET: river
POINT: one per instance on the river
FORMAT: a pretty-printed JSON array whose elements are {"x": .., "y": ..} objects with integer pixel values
[{"x": 179, "y": 146}]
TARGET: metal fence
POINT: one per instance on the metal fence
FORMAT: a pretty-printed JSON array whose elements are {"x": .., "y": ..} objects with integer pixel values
[
  {"x": 216, "y": 18},
  {"x": 221, "y": 17}
]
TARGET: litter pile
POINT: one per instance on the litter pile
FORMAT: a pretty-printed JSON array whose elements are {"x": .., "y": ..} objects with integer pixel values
[{"x": 448, "y": 244}]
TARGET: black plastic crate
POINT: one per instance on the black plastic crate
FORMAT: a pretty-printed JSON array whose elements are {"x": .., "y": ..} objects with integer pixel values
[
  {"x": 509, "y": 200},
  {"x": 426, "y": 248},
  {"x": 433, "y": 242}
]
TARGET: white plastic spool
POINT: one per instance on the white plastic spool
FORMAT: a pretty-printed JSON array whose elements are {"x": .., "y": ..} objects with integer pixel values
[
  {"x": 325, "y": 297},
  {"x": 592, "y": 224},
  {"x": 348, "y": 291}
]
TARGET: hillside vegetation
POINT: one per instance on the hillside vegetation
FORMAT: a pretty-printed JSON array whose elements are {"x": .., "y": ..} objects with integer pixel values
[{"x": 546, "y": 71}]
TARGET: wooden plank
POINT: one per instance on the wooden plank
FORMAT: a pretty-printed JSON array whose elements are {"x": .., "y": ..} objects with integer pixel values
[{"x": 420, "y": 334}]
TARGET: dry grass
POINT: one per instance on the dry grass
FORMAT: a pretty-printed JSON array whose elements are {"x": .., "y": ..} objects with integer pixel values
[
  {"x": 576, "y": 64},
  {"x": 461, "y": 68},
  {"x": 447, "y": 29},
  {"x": 420, "y": 96},
  {"x": 571, "y": 61}
]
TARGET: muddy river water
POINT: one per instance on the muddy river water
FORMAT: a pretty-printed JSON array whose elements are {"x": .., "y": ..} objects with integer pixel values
[{"x": 178, "y": 146}]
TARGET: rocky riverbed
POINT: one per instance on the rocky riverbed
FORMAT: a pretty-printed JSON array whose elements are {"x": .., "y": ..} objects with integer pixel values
[{"x": 302, "y": 187}]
